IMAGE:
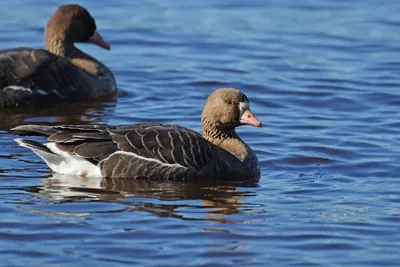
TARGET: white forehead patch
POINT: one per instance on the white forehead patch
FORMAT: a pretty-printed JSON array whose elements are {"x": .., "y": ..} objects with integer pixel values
[{"x": 243, "y": 106}]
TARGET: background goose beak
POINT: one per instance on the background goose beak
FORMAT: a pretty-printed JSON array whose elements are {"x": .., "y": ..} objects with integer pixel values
[
  {"x": 249, "y": 119},
  {"x": 98, "y": 40}
]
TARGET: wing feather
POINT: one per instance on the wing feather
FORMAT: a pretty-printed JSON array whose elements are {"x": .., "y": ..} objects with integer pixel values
[
  {"x": 169, "y": 144},
  {"x": 135, "y": 151},
  {"x": 95, "y": 149},
  {"x": 21, "y": 62}
]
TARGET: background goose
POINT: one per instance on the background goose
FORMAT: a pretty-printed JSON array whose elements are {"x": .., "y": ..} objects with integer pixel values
[
  {"x": 63, "y": 72},
  {"x": 156, "y": 151}
]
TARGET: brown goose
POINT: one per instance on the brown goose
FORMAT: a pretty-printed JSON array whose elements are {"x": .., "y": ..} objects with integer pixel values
[
  {"x": 155, "y": 151},
  {"x": 63, "y": 72}
]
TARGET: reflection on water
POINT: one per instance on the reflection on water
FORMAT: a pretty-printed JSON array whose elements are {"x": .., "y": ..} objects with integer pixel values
[
  {"x": 68, "y": 113},
  {"x": 215, "y": 197}
]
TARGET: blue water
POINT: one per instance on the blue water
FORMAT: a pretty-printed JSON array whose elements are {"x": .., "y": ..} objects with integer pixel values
[{"x": 323, "y": 77}]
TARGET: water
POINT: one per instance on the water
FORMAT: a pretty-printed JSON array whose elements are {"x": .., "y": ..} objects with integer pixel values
[{"x": 323, "y": 77}]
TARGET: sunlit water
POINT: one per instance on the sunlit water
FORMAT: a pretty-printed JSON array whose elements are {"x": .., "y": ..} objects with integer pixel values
[{"x": 323, "y": 76}]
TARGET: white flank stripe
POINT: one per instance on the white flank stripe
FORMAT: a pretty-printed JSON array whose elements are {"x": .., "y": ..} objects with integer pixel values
[
  {"x": 17, "y": 88},
  {"x": 42, "y": 92},
  {"x": 149, "y": 159}
]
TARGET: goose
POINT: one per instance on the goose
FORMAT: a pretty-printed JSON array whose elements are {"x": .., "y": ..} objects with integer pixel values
[
  {"x": 155, "y": 151},
  {"x": 62, "y": 71}
]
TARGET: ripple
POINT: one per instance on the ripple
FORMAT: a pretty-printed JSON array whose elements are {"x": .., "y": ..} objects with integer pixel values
[
  {"x": 207, "y": 83},
  {"x": 324, "y": 85}
]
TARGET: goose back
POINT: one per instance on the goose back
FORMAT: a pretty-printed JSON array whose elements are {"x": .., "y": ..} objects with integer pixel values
[
  {"x": 158, "y": 151},
  {"x": 35, "y": 76},
  {"x": 152, "y": 151}
]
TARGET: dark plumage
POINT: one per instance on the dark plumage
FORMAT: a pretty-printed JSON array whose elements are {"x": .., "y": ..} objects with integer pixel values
[
  {"x": 161, "y": 151},
  {"x": 63, "y": 72}
]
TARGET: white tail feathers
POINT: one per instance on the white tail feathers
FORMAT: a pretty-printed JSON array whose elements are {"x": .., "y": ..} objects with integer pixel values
[{"x": 60, "y": 161}]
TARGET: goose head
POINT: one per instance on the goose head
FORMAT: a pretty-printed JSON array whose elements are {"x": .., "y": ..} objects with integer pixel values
[
  {"x": 228, "y": 108},
  {"x": 71, "y": 24}
]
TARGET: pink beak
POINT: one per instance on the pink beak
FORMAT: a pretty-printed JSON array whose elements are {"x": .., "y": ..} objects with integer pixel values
[
  {"x": 98, "y": 40},
  {"x": 249, "y": 119}
]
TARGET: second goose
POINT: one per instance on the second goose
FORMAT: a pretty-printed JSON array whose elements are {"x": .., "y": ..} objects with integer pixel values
[{"x": 62, "y": 72}]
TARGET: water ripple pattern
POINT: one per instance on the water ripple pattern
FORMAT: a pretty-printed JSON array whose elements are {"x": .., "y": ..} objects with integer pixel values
[{"x": 323, "y": 76}]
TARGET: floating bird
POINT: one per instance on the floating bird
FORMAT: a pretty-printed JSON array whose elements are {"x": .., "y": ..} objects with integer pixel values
[
  {"x": 155, "y": 151},
  {"x": 62, "y": 72}
]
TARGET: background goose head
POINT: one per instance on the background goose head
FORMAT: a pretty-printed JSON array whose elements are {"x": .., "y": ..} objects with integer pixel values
[
  {"x": 226, "y": 109},
  {"x": 68, "y": 25}
]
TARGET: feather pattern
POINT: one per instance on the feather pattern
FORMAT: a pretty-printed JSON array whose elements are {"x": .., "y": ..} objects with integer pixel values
[
  {"x": 50, "y": 79},
  {"x": 153, "y": 151},
  {"x": 36, "y": 76},
  {"x": 159, "y": 151}
]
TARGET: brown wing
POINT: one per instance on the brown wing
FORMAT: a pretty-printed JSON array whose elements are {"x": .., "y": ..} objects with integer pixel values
[
  {"x": 169, "y": 144},
  {"x": 17, "y": 66},
  {"x": 92, "y": 142},
  {"x": 134, "y": 151},
  {"x": 37, "y": 76},
  {"x": 19, "y": 63}
]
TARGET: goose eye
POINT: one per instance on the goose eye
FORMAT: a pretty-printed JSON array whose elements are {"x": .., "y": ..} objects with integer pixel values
[{"x": 229, "y": 102}]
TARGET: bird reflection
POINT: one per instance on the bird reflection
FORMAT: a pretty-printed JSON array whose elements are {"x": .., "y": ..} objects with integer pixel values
[
  {"x": 215, "y": 198},
  {"x": 61, "y": 113}
]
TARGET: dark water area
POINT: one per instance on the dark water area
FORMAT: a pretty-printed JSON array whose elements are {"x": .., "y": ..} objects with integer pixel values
[{"x": 323, "y": 77}]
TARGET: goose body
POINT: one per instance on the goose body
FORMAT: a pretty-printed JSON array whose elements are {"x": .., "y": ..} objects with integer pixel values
[
  {"x": 62, "y": 71},
  {"x": 154, "y": 151}
]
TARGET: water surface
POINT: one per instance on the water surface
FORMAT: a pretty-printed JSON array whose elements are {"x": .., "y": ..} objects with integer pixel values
[{"x": 323, "y": 77}]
